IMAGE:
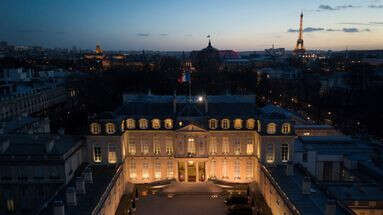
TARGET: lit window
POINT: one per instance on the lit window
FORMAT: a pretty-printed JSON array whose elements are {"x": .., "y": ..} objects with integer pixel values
[
  {"x": 250, "y": 147},
  {"x": 237, "y": 169},
  {"x": 123, "y": 125},
  {"x": 270, "y": 153},
  {"x": 250, "y": 124},
  {"x": 249, "y": 169},
  {"x": 156, "y": 123},
  {"x": 145, "y": 170},
  {"x": 157, "y": 170},
  {"x": 191, "y": 146},
  {"x": 143, "y": 123},
  {"x": 95, "y": 128},
  {"x": 156, "y": 146},
  {"x": 286, "y": 128},
  {"x": 259, "y": 126},
  {"x": 213, "y": 166},
  {"x": 110, "y": 128},
  {"x": 132, "y": 147},
  {"x": 238, "y": 123},
  {"x": 213, "y": 123},
  {"x": 213, "y": 149},
  {"x": 271, "y": 128},
  {"x": 130, "y": 123},
  {"x": 170, "y": 173},
  {"x": 144, "y": 147},
  {"x": 10, "y": 205},
  {"x": 112, "y": 155},
  {"x": 225, "y": 145},
  {"x": 224, "y": 169},
  {"x": 237, "y": 146},
  {"x": 168, "y": 123},
  {"x": 133, "y": 173},
  {"x": 169, "y": 145},
  {"x": 306, "y": 134},
  {"x": 285, "y": 152},
  {"x": 97, "y": 158},
  {"x": 225, "y": 124}
]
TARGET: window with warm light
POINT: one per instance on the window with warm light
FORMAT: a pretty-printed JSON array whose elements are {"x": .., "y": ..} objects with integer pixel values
[
  {"x": 213, "y": 124},
  {"x": 285, "y": 152},
  {"x": 213, "y": 166},
  {"x": 156, "y": 146},
  {"x": 250, "y": 146},
  {"x": 143, "y": 123},
  {"x": 270, "y": 153},
  {"x": 145, "y": 170},
  {"x": 286, "y": 128},
  {"x": 131, "y": 123},
  {"x": 133, "y": 172},
  {"x": 97, "y": 157},
  {"x": 156, "y": 124},
  {"x": 225, "y": 124},
  {"x": 225, "y": 145},
  {"x": 145, "y": 147},
  {"x": 250, "y": 124},
  {"x": 112, "y": 155},
  {"x": 213, "y": 149},
  {"x": 191, "y": 146},
  {"x": 169, "y": 145},
  {"x": 271, "y": 128},
  {"x": 132, "y": 147},
  {"x": 170, "y": 172},
  {"x": 249, "y": 169},
  {"x": 157, "y": 170},
  {"x": 95, "y": 128},
  {"x": 224, "y": 169},
  {"x": 237, "y": 146},
  {"x": 237, "y": 169},
  {"x": 110, "y": 128},
  {"x": 238, "y": 123},
  {"x": 168, "y": 123}
]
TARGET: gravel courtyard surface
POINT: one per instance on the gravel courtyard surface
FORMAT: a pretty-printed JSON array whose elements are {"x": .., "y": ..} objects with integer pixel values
[{"x": 181, "y": 205}]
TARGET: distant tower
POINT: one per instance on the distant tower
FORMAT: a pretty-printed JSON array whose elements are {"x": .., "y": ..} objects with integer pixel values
[{"x": 299, "y": 47}]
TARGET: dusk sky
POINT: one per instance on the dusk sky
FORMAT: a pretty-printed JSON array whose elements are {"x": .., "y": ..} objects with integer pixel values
[{"x": 176, "y": 25}]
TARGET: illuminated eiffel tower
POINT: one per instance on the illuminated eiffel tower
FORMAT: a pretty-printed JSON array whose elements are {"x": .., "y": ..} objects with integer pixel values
[{"x": 299, "y": 47}]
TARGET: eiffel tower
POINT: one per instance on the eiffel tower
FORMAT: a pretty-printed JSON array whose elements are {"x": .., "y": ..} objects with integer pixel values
[{"x": 299, "y": 47}]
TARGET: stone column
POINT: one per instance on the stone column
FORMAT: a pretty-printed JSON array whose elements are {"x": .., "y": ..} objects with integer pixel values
[{"x": 186, "y": 171}]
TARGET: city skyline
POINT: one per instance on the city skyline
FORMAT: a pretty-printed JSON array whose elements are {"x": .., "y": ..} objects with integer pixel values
[{"x": 177, "y": 26}]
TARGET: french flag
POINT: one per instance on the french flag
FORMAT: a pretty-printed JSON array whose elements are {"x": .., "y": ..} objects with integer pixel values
[{"x": 185, "y": 77}]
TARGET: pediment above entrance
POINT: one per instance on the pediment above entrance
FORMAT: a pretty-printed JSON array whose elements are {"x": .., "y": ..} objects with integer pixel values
[{"x": 192, "y": 128}]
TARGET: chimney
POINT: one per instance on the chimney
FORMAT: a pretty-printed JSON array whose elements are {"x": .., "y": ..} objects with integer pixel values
[
  {"x": 330, "y": 207},
  {"x": 71, "y": 199},
  {"x": 5, "y": 145},
  {"x": 289, "y": 169},
  {"x": 58, "y": 208},
  {"x": 88, "y": 176},
  {"x": 306, "y": 185},
  {"x": 49, "y": 146},
  {"x": 80, "y": 185}
]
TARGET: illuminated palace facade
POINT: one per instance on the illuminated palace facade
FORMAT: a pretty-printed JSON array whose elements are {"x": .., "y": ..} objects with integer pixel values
[{"x": 193, "y": 139}]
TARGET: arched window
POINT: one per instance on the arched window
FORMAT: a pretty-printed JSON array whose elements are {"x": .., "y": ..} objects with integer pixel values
[
  {"x": 143, "y": 123},
  {"x": 156, "y": 123},
  {"x": 259, "y": 126},
  {"x": 110, "y": 128},
  {"x": 225, "y": 124},
  {"x": 213, "y": 124},
  {"x": 286, "y": 128},
  {"x": 250, "y": 124},
  {"x": 95, "y": 128},
  {"x": 168, "y": 123},
  {"x": 238, "y": 123},
  {"x": 130, "y": 123},
  {"x": 271, "y": 128}
]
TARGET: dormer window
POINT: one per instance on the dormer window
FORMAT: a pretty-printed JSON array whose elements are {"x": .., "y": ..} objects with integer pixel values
[
  {"x": 238, "y": 123},
  {"x": 225, "y": 124},
  {"x": 271, "y": 128},
  {"x": 110, "y": 128},
  {"x": 143, "y": 123},
  {"x": 130, "y": 123},
  {"x": 95, "y": 128},
  {"x": 156, "y": 123},
  {"x": 168, "y": 123},
  {"x": 286, "y": 128},
  {"x": 213, "y": 124},
  {"x": 250, "y": 124}
]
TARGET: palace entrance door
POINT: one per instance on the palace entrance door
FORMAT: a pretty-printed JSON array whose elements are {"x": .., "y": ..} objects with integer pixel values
[{"x": 192, "y": 171}]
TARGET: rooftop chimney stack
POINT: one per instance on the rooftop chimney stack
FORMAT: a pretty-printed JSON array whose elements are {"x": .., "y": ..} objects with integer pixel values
[
  {"x": 330, "y": 207},
  {"x": 71, "y": 199},
  {"x": 306, "y": 186},
  {"x": 58, "y": 208}
]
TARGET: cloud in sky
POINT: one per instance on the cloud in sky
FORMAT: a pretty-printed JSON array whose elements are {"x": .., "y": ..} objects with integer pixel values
[
  {"x": 328, "y": 7},
  {"x": 307, "y": 30},
  {"x": 346, "y": 30},
  {"x": 143, "y": 34},
  {"x": 376, "y": 6},
  {"x": 164, "y": 35}
]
